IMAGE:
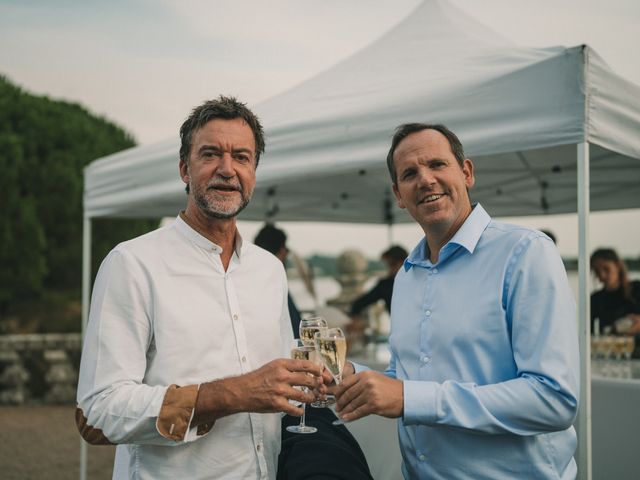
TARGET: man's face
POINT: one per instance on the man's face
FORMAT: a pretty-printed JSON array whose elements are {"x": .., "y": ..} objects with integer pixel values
[
  {"x": 431, "y": 184},
  {"x": 221, "y": 172}
]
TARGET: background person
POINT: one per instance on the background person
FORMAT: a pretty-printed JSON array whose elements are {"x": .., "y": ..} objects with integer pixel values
[
  {"x": 180, "y": 365},
  {"x": 393, "y": 258},
  {"x": 617, "y": 304},
  {"x": 274, "y": 240},
  {"x": 484, "y": 373}
]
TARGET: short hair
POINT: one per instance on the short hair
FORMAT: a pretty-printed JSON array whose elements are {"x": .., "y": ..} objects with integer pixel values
[
  {"x": 404, "y": 130},
  {"x": 395, "y": 252},
  {"x": 226, "y": 108},
  {"x": 270, "y": 238}
]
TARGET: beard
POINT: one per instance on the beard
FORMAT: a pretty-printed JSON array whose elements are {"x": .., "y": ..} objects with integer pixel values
[{"x": 218, "y": 206}]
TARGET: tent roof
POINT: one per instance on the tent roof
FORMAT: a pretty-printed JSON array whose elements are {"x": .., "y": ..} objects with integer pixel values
[{"x": 518, "y": 111}]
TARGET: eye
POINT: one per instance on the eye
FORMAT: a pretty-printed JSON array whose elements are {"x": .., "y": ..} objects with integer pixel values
[
  {"x": 407, "y": 174},
  {"x": 209, "y": 153},
  {"x": 242, "y": 157}
]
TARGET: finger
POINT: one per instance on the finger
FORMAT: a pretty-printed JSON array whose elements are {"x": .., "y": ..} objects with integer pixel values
[
  {"x": 351, "y": 380},
  {"x": 304, "y": 366},
  {"x": 300, "y": 396},
  {"x": 303, "y": 380},
  {"x": 348, "y": 370},
  {"x": 359, "y": 412},
  {"x": 327, "y": 378},
  {"x": 350, "y": 387},
  {"x": 292, "y": 410},
  {"x": 349, "y": 399}
]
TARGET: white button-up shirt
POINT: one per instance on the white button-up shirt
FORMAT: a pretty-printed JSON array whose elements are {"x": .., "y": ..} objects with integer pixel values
[{"x": 165, "y": 317}]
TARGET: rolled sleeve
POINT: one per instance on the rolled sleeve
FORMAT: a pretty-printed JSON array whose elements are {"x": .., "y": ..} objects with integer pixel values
[{"x": 176, "y": 414}]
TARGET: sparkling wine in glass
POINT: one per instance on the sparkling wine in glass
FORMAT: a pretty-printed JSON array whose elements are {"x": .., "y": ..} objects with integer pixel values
[
  {"x": 300, "y": 351},
  {"x": 331, "y": 344},
  {"x": 308, "y": 328}
]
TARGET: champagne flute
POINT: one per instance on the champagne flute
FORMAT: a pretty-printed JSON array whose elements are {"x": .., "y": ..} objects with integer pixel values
[
  {"x": 331, "y": 344},
  {"x": 300, "y": 351},
  {"x": 309, "y": 326}
]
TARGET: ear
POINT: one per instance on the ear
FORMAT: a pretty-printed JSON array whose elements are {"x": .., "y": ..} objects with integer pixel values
[
  {"x": 467, "y": 170},
  {"x": 184, "y": 171},
  {"x": 396, "y": 192}
]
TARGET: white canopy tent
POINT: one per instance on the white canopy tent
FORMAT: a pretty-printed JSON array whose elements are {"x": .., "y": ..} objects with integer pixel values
[{"x": 520, "y": 112}]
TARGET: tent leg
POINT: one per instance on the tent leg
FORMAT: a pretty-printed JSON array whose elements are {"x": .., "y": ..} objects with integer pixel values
[
  {"x": 86, "y": 280},
  {"x": 584, "y": 316}
]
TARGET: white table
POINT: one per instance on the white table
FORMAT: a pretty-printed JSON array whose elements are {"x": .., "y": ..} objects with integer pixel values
[{"x": 615, "y": 420}]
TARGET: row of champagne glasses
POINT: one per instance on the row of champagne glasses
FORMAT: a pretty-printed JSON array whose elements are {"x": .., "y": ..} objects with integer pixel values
[
  {"x": 323, "y": 346},
  {"x": 609, "y": 346}
]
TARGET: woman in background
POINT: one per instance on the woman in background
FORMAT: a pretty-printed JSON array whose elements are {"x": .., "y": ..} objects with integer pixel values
[{"x": 617, "y": 304}]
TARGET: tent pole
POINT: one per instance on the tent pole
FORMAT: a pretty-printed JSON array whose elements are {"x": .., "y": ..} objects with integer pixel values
[
  {"x": 86, "y": 280},
  {"x": 584, "y": 316}
]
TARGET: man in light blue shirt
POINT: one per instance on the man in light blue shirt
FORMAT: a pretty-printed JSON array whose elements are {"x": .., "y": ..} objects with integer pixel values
[{"x": 484, "y": 375}]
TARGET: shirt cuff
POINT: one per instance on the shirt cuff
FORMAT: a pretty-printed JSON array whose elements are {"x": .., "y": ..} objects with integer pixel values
[
  {"x": 420, "y": 402},
  {"x": 176, "y": 413}
]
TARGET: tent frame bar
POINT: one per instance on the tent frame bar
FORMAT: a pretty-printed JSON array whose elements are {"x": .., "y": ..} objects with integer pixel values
[
  {"x": 86, "y": 285},
  {"x": 584, "y": 315}
]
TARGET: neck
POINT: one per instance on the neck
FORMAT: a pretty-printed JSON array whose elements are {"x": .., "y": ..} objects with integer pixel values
[
  {"x": 436, "y": 239},
  {"x": 221, "y": 231},
  {"x": 439, "y": 234}
]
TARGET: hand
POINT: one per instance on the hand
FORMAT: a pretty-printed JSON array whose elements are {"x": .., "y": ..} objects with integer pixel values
[
  {"x": 635, "y": 327},
  {"x": 265, "y": 390},
  {"x": 369, "y": 392},
  {"x": 328, "y": 379}
]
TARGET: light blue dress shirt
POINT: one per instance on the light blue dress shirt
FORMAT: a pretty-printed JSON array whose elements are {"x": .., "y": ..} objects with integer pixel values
[{"x": 486, "y": 343}]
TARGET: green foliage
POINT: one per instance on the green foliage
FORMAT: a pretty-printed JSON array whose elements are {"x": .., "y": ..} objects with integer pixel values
[
  {"x": 22, "y": 236},
  {"x": 44, "y": 147}
]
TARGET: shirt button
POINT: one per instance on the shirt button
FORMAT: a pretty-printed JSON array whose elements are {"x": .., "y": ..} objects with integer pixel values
[
  {"x": 435, "y": 270},
  {"x": 425, "y": 359},
  {"x": 422, "y": 458},
  {"x": 235, "y": 317},
  {"x": 428, "y": 313},
  {"x": 258, "y": 447},
  {"x": 244, "y": 359}
]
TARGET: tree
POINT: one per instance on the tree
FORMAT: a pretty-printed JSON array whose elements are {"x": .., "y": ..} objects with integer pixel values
[
  {"x": 44, "y": 147},
  {"x": 22, "y": 254}
]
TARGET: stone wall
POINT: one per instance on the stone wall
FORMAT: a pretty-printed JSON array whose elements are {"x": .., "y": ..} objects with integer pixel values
[{"x": 39, "y": 368}]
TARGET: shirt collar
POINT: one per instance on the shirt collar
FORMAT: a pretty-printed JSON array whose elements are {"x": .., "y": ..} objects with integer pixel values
[
  {"x": 467, "y": 236},
  {"x": 203, "y": 242}
]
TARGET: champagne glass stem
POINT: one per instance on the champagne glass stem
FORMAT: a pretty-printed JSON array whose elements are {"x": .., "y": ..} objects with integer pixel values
[
  {"x": 304, "y": 416},
  {"x": 338, "y": 380}
]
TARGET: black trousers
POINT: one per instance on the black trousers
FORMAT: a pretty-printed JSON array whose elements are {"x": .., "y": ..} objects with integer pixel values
[{"x": 330, "y": 453}]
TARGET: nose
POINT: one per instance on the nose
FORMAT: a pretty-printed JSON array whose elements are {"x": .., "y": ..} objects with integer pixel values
[
  {"x": 225, "y": 168},
  {"x": 425, "y": 177}
]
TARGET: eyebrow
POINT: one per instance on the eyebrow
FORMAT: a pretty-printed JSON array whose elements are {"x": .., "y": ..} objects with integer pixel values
[{"x": 217, "y": 149}]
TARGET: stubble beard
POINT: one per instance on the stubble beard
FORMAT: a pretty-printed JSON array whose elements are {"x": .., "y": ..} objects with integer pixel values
[{"x": 220, "y": 209}]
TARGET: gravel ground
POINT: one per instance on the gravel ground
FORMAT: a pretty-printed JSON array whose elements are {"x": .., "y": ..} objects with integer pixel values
[{"x": 43, "y": 443}]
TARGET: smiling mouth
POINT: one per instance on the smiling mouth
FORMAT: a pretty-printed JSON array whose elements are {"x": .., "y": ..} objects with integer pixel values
[{"x": 431, "y": 198}]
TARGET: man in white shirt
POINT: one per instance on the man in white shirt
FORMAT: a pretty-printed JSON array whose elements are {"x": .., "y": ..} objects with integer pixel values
[{"x": 182, "y": 362}]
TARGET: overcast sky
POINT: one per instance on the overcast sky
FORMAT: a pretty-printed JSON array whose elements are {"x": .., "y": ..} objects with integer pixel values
[{"x": 145, "y": 63}]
